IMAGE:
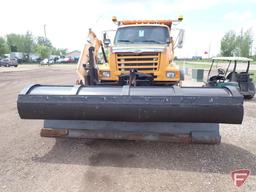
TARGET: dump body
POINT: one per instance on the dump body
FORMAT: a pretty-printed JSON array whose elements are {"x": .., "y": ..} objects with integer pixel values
[{"x": 132, "y": 104}]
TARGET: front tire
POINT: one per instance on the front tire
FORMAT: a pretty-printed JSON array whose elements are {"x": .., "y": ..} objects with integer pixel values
[{"x": 251, "y": 89}]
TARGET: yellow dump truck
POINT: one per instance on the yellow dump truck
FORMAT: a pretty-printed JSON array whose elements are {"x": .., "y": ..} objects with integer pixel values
[
  {"x": 144, "y": 47},
  {"x": 128, "y": 90}
]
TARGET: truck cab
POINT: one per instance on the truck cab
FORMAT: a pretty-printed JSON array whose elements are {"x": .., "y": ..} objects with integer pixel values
[{"x": 145, "y": 47}]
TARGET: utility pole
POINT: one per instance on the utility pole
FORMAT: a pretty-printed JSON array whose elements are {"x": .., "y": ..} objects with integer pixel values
[
  {"x": 209, "y": 50},
  {"x": 45, "y": 32},
  {"x": 240, "y": 43}
]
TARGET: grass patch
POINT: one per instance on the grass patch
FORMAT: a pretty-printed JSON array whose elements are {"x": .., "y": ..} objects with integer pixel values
[
  {"x": 194, "y": 65},
  {"x": 253, "y": 76},
  {"x": 47, "y": 64}
]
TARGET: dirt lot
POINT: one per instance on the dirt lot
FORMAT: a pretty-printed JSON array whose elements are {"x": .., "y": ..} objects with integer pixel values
[{"x": 31, "y": 163}]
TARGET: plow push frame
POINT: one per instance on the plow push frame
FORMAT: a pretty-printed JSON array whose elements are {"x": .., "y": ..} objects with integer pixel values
[{"x": 190, "y": 115}]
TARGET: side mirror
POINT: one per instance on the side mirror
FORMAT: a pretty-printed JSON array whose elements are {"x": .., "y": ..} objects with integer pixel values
[
  {"x": 168, "y": 40},
  {"x": 181, "y": 38},
  {"x": 106, "y": 41}
]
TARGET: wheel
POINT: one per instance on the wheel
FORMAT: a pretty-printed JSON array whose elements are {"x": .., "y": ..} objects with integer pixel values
[
  {"x": 251, "y": 88},
  {"x": 248, "y": 96}
]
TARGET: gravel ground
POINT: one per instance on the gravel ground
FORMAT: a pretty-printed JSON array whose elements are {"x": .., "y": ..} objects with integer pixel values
[{"x": 31, "y": 163}]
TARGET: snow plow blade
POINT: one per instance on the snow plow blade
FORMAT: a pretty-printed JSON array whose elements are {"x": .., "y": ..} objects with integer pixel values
[{"x": 131, "y": 104}]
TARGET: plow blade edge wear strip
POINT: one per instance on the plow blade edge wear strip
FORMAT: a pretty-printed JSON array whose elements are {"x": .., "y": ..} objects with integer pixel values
[{"x": 132, "y": 104}]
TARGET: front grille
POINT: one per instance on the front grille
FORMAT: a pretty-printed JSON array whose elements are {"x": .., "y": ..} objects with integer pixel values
[{"x": 143, "y": 62}]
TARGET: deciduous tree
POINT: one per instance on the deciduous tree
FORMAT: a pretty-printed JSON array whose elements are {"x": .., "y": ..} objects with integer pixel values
[{"x": 3, "y": 46}]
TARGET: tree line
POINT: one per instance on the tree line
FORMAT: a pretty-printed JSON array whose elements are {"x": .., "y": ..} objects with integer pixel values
[
  {"x": 238, "y": 44},
  {"x": 27, "y": 44},
  {"x": 232, "y": 44}
]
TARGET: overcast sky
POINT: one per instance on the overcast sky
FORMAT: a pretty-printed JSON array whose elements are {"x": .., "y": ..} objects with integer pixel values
[{"x": 67, "y": 22}]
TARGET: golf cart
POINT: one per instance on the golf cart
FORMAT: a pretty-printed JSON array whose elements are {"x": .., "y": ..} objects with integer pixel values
[{"x": 232, "y": 71}]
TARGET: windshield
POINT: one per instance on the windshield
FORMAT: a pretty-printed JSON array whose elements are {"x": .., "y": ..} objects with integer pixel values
[{"x": 142, "y": 34}]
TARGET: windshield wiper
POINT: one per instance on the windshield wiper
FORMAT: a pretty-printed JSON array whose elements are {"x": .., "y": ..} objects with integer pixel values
[
  {"x": 124, "y": 40},
  {"x": 152, "y": 41}
]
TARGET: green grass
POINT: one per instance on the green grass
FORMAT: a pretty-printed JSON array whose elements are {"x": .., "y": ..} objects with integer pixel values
[
  {"x": 206, "y": 65},
  {"x": 47, "y": 64},
  {"x": 253, "y": 76},
  {"x": 194, "y": 64}
]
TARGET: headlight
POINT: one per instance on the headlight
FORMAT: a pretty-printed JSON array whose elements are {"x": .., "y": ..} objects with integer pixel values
[
  {"x": 170, "y": 74},
  {"x": 106, "y": 74}
]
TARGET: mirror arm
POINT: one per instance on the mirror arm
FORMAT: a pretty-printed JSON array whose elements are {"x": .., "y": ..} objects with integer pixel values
[{"x": 104, "y": 54}]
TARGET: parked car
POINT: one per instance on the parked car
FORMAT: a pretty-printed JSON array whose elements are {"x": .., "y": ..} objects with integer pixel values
[
  {"x": 64, "y": 60},
  {"x": 60, "y": 60},
  {"x": 8, "y": 62},
  {"x": 44, "y": 62},
  {"x": 197, "y": 58},
  {"x": 51, "y": 61}
]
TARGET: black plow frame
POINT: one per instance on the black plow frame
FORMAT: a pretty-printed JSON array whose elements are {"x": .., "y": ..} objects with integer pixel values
[{"x": 203, "y": 133}]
